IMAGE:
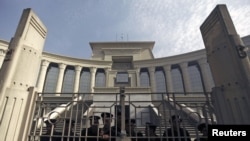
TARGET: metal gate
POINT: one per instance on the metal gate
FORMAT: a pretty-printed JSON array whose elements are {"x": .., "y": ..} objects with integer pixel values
[{"x": 65, "y": 117}]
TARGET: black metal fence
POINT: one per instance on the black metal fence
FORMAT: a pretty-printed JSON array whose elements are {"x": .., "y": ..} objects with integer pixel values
[{"x": 146, "y": 116}]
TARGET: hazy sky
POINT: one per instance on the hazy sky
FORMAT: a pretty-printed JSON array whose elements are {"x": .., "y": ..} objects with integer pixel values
[{"x": 174, "y": 25}]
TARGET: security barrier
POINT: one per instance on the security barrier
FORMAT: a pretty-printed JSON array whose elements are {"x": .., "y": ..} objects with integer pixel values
[{"x": 132, "y": 116}]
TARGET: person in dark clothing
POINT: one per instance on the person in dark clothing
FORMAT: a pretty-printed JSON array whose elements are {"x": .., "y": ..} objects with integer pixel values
[
  {"x": 130, "y": 130},
  {"x": 150, "y": 134},
  {"x": 69, "y": 135},
  {"x": 107, "y": 131},
  {"x": 51, "y": 133},
  {"x": 93, "y": 132},
  {"x": 176, "y": 133},
  {"x": 203, "y": 129}
]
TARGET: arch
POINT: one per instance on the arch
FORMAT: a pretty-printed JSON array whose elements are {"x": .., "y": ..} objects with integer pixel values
[
  {"x": 68, "y": 80},
  {"x": 100, "y": 79},
  {"x": 51, "y": 78},
  {"x": 85, "y": 79},
  {"x": 160, "y": 79},
  {"x": 177, "y": 79}
]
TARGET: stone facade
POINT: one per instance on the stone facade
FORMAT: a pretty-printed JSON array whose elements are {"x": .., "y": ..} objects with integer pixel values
[{"x": 148, "y": 81}]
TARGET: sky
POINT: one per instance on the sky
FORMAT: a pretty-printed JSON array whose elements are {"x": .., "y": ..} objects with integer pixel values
[{"x": 174, "y": 25}]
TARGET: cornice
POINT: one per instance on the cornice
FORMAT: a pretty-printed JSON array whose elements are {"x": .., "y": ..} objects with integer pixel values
[
  {"x": 4, "y": 44},
  {"x": 191, "y": 56},
  {"x": 73, "y": 61},
  {"x": 127, "y": 44}
]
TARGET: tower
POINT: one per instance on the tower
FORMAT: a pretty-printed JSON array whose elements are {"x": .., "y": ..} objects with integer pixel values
[
  {"x": 17, "y": 91},
  {"x": 230, "y": 67}
]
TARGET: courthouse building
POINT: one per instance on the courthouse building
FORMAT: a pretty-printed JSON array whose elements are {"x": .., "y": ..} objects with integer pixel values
[{"x": 119, "y": 76}]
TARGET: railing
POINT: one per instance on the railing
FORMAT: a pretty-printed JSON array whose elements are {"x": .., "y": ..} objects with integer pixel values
[{"x": 193, "y": 109}]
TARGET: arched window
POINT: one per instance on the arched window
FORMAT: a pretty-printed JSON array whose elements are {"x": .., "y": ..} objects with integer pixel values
[
  {"x": 160, "y": 80},
  {"x": 68, "y": 80},
  {"x": 100, "y": 80},
  {"x": 195, "y": 78},
  {"x": 85, "y": 79},
  {"x": 144, "y": 78},
  {"x": 177, "y": 79},
  {"x": 51, "y": 79}
]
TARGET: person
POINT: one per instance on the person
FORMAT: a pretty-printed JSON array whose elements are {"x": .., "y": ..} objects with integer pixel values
[
  {"x": 107, "y": 131},
  {"x": 176, "y": 132},
  {"x": 68, "y": 130},
  {"x": 130, "y": 125},
  {"x": 203, "y": 129},
  {"x": 150, "y": 132},
  {"x": 116, "y": 129},
  {"x": 50, "y": 133},
  {"x": 93, "y": 132}
]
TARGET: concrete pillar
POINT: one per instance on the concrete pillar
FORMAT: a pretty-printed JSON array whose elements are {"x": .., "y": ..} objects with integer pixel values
[
  {"x": 43, "y": 71},
  {"x": 60, "y": 78},
  {"x": 92, "y": 77},
  {"x": 230, "y": 68},
  {"x": 186, "y": 79},
  {"x": 169, "y": 81},
  {"x": 138, "y": 82},
  {"x": 152, "y": 79},
  {"x": 132, "y": 76},
  {"x": 205, "y": 74},
  {"x": 18, "y": 78},
  {"x": 77, "y": 78},
  {"x": 107, "y": 76}
]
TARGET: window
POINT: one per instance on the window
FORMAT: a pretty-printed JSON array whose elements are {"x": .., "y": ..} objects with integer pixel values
[
  {"x": 144, "y": 78},
  {"x": 100, "y": 80},
  {"x": 122, "y": 62},
  {"x": 177, "y": 80},
  {"x": 85, "y": 79},
  {"x": 51, "y": 79},
  {"x": 160, "y": 80},
  {"x": 195, "y": 78},
  {"x": 69, "y": 80}
]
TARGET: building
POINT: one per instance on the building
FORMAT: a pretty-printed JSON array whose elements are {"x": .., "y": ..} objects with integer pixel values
[{"x": 120, "y": 75}]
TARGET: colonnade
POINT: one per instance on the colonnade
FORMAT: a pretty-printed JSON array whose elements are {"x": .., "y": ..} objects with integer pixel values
[{"x": 166, "y": 68}]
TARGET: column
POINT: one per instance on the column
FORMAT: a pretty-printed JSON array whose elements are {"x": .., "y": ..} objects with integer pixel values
[
  {"x": 43, "y": 71},
  {"x": 152, "y": 79},
  {"x": 92, "y": 83},
  {"x": 77, "y": 78},
  {"x": 138, "y": 82},
  {"x": 60, "y": 78},
  {"x": 107, "y": 75},
  {"x": 169, "y": 82},
  {"x": 186, "y": 79},
  {"x": 205, "y": 74}
]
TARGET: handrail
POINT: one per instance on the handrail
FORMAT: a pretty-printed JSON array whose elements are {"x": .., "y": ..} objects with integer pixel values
[{"x": 189, "y": 111}]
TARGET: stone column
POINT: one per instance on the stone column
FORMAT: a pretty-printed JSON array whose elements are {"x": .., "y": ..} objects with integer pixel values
[
  {"x": 93, "y": 74},
  {"x": 205, "y": 74},
  {"x": 107, "y": 75},
  {"x": 60, "y": 78},
  {"x": 138, "y": 82},
  {"x": 186, "y": 79},
  {"x": 77, "y": 78},
  {"x": 43, "y": 71},
  {"x": 152, "y": 79},
  {"x": 169, "y": 82}
]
